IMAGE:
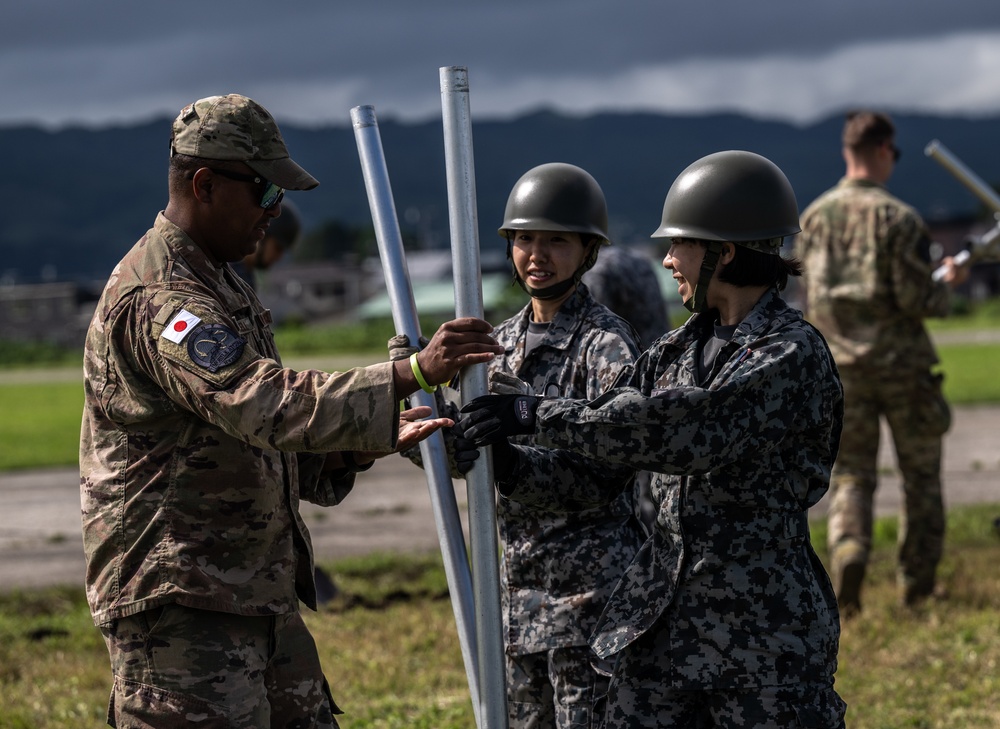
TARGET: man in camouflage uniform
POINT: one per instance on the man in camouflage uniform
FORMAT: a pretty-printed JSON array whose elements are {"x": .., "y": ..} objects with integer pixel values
[
  {"x": 868, "y": 289},
  {"x": 197, "y": 447},
  {"x": 726, "y": 617},
  {"x": 567, "y": 527}
]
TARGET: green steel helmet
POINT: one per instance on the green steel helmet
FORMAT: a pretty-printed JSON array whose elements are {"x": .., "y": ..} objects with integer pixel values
[
  {"x": 732, "y": 196},
  {"x": 557, "y": 196}
]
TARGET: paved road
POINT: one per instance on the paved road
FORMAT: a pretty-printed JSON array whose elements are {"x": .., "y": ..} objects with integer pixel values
[{"x": 390, "y": 508}]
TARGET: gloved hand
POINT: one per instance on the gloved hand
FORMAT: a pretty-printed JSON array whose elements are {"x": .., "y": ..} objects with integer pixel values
[
  {"x": 505, "y": 458},
  {"x": 465, "y": 451},
  {"x": 400, "y": 347},
  {"x": 490, "y": 419},
  {"x": 503, "y": 383}
]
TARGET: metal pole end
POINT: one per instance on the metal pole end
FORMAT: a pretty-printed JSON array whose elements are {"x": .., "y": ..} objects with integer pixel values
[
  {"x": 931, "y": 147},
  {"x": 363, "y": 116},
  {"x": 454, "y": 78}
]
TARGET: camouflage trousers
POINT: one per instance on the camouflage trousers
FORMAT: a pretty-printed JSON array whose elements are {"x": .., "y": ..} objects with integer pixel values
[
  {"x": 640, "y": 696},
  {"x": 176, "y": 666},
  {"x": 918, "y": 417},
  {"x": 564, "y": 688}
]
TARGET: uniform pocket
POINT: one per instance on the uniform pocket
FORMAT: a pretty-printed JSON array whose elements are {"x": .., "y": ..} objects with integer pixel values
[
  {"x": 138, "y": 705},
  {"x": 933, "y": 410},
  {"x": 822, "y": 710}
]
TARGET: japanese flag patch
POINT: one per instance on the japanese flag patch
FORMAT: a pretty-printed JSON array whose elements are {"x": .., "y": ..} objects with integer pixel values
[{"x": 179, "y": 327}]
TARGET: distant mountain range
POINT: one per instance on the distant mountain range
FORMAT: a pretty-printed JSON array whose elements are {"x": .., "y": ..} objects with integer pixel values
[{"x": 76, "y": 199}]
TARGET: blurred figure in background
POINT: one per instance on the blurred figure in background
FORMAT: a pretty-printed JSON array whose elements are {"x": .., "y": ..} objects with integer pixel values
[
  {"x": 868, "y": 288},
  {"x": 282, "y": 233},
  {"x": 624, "y": 281}
]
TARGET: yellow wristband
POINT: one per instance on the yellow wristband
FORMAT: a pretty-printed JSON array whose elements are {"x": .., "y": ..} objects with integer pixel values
[{"x": 420, "y": 375}]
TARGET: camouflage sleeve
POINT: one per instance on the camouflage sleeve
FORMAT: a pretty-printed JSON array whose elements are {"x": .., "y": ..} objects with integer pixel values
[
  {"x": 558, "y": 478},
  {"x": 691, "y": 430},
  {"x": 915, "y": 291},
  {"x": 255, "y": 399},
  {"x": 320, "y": 489}
]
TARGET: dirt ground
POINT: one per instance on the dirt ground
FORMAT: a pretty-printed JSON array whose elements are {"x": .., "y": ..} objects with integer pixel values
[{"x": 390, "y": 509}]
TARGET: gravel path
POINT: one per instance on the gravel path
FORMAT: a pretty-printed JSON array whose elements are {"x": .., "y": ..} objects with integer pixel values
[{"x": 390, "y": 509}]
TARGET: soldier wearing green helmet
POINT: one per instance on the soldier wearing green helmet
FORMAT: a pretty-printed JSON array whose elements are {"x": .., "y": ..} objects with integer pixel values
[
  {"x": 731, "y": 197},
  {"x": 567, "y": 524},
  {"x": 726, "y": 617},
  {"x": 561, "y": 198}
]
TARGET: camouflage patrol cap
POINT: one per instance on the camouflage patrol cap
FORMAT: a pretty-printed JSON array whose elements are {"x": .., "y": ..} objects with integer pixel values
[{"x": 235, "y": 128}]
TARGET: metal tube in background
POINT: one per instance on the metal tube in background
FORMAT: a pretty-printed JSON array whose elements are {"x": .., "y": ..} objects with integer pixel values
[
  {"x": 943, "y": 156},
  {"x": 464, "y": 225},
  {"x": 432, "y": 449}
]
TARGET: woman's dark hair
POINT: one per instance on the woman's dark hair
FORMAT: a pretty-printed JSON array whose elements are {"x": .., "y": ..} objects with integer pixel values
[{"x": 753, "y": 268}]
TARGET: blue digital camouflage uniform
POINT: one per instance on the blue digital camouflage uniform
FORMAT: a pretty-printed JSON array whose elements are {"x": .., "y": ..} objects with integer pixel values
[
  {"x": 727, "y": 597},
  {"x": 197, "y": 447},
  {"x": 567, "y": 530},
  {"x": 869, "y": 288}
]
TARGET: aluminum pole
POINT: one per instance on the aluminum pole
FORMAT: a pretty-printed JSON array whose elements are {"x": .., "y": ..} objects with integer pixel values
[
  {"x": 464, "y": 224},
  {"x": 975, "y": 184},
  {"x": 432, "y": 449},
  {"x": 943, "y": 156}
]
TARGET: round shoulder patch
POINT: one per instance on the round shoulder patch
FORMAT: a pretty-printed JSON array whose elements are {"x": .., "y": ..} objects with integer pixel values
[{"x": 213, "y": 346}]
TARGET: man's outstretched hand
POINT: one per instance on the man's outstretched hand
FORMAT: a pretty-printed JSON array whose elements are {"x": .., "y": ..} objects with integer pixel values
[
  {"x": 490, "y": 419},
  {"x": 415, "y": 426},
  {"x": 412, "y": 430}
]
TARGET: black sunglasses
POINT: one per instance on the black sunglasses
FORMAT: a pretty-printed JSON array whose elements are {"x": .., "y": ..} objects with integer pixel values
[{"x": 271, "y": 195}]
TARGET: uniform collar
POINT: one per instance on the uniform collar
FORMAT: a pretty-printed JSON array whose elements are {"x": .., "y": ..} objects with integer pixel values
[
  {"x": 184, "y": 247},
  {"x": 769, "y": 307},
  {"x": 846, "y": 182}
]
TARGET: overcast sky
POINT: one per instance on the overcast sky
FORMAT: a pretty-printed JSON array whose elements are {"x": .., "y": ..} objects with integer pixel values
[{"x": 309, "y": 61}]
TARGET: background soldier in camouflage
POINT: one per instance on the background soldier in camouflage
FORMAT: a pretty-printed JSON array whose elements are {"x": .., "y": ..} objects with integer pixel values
[
  {"x": 726, "y": 617},
  {"x": 282, "y": 234},
  {"x": 868, "y": 289},
  {"x": 197, "y": 446},
  {"x": 567, "y": 526},
  {"x": 623, "y": 280}
]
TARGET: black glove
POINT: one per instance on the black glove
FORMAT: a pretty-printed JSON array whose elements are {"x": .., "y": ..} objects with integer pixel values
[
  {"x": 464, "y": 449},
  {"x": 505, "y": 460},
  {"x": 399, "y": 346},
  {"x": 490, "y": 419}
]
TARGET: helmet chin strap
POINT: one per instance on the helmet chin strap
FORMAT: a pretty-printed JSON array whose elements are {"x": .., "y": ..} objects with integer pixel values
[
  {"x": 698, "y": 299},
  {"x": 555, "y": 290}
]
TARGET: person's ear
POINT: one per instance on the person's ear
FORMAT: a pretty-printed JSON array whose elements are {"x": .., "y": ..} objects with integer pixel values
[
  {"x": 728, "y": 253},
  {"x": 202, "y": 185}
]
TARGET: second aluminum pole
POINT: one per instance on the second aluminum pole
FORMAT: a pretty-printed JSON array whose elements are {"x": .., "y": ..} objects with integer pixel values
[
  {"x": 404, "y": 315},
  {"x": 464, "y": 224}
]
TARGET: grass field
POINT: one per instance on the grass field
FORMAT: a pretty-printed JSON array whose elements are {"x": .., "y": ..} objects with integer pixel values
[
  {"x": 391, "y": 652},
  {"x": 40, "y": 426},
  {"x": 389, "y": 644}
]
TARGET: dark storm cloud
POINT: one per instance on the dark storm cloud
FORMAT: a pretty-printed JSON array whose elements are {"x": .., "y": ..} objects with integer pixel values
[{"x": 63, "y": 61}]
